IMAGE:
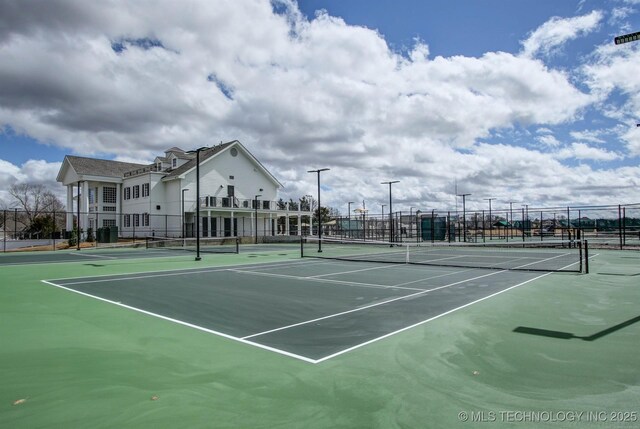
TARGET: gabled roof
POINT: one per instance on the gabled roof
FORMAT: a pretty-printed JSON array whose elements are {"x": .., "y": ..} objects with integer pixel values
[
  {"x": 98, "y": 167},
  {"x": 178, "y": 153},
  {"x": 211, "y": 152}
]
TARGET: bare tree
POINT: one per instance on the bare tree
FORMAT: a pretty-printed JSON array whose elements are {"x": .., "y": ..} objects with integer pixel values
[{"x": 37, "y": 203}]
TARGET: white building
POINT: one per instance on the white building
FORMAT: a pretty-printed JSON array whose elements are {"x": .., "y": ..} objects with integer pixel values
[{"x": 236, "y": 193}]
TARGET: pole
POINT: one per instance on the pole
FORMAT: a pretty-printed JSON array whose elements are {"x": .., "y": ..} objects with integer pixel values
[
  {"x": 4, "y": 234},
  {"x": 53, "y": 234},
  {"x": 620, "y": 225},
  {"x": 255, "y": 206},
  {"x": 349, "y": 212},
  {"x": 78, "y": 220},
  {"x": 391, "y": 182},
  {"x": 383, "y": 229},
  {"x": 624, "y": 226},
  {"x": 511, "y": 222},
  {"x": 464, "y": 216},
  {"x": 318, "y": 171},
  {"x": 490, "y": 221},
  {"x": 198, "y": 204}
]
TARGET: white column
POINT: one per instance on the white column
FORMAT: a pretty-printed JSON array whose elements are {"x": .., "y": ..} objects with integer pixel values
[
  {"x": 118, "y": 204},
  {"x": 84, "y": 208},
  {"x": 299, "y": 224},
  {"x": 69, "y": 215},
  {"x": 286, "y": 225}
]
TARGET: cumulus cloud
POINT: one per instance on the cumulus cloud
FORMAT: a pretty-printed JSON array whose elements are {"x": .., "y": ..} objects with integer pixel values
[
  {"x": 557, "y": 31},
  {"x": 583, "y": 151},
  {"x": 132, "y": 79},
  {"x": 33, "y": 171}
]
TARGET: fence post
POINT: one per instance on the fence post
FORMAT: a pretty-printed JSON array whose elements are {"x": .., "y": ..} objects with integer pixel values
[
  {"x": 624, "y": 226},
  {"x": 620, "y": 225}
]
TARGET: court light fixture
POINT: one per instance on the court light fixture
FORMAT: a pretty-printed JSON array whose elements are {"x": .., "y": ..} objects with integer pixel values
[{"x": 626, "y": 38}]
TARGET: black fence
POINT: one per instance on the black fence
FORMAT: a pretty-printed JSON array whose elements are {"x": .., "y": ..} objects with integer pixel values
[
  {"x": 604, "y": 226},
  {"x": 51, "y": 230}
]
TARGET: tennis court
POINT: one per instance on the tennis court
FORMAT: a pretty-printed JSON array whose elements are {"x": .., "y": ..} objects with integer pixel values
[
  {"x": 310, "y": 310},
  {"x": 264, "y": 338},
  {"x": 142, "y": 250}
]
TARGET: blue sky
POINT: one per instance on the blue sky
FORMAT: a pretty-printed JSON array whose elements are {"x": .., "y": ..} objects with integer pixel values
[{"x": 510, "y": 99}]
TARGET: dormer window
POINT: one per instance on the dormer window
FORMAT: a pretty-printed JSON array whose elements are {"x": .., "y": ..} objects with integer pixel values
[{"x": 174, "y": 162}]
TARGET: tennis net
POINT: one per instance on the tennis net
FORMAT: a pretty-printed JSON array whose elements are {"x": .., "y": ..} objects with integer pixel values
[
  {"x": 527, "y": 256},
  {"x": 207, "y": 245}
]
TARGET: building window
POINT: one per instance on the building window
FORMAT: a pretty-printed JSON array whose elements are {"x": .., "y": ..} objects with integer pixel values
[
  {"x": 108, "y": 222},
  {"x": 127, "y": 193},
  {"x": 109, "y": 195},
  {"x": 108, "y": 208},
  {"x": 174, "y": 162},
  {"x": 145, "y": 189},
  {"x": 136, "y": 219},
  {"x": 145, "y": 219},
  {"x": 92, "y": 195},
  {"x": 136, "y": 191},
  {"x": 127, "y": 221}
]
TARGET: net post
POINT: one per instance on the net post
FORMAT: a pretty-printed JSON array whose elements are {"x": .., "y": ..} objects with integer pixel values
[
  {"x": 146, "y": 242},
  {"x": 302, "y": 246},
  {"x": 581, "y": 255},
  {"x": 586, "y": 257}
]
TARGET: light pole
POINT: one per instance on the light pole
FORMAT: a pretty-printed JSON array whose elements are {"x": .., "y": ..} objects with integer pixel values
[
  {"x": 411, "y": 221},
  {"x": 78, "y": 222},
  {"x": 318, "y": 171},
  {"x": 255, "y": 206},
  {"x": 525, "y": 226},
  {"x": 490, "y": 221},
  {"x": 391, "y": 182},
  {"x": 184, "y": 233},
  {"x": 511, "y": 216},
  {"x": 383, "y": 206},
  {"x": 464, "y": 216},
  {"x": 197, "y": 152},
  {"x": 349, "y": 212}
]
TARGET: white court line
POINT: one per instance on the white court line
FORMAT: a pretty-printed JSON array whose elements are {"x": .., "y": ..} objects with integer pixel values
[
  {"x": 425, "y": 321},
  {"x": 314, "y": 279},
  {"x": 180, "y": 322},
  {"x": 424, "y": 291},
  {"x": 303, "y": 358},
  {"x": 152, "y": 274}
]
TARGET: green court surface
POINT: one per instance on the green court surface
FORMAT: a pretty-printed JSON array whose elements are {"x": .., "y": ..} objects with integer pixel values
[{"x": 264, "y": 339}]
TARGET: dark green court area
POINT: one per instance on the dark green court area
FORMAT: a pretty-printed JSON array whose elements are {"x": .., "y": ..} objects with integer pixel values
[{"x": 309, "y": 310}]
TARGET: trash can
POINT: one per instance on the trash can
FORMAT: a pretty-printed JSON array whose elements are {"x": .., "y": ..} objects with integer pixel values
[
  {"x": 113, "y": 234},
  {"x": 100, "y": 235}
]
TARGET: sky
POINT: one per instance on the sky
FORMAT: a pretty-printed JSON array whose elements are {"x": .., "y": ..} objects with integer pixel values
[{"x": 527, "y": 101}]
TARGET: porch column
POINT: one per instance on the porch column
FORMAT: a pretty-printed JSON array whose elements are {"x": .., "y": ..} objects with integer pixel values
[
  {"x": 69, "y": 210},
  {"x": 84, "y": 208},
  {"x": 118, "y": 205},
  {"x": 299, "y": 224},
  {"x": 286, "y": 225}
]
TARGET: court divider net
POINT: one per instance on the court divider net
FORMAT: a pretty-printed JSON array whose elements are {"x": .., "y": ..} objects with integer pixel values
[{"x": 548, "y": 256}]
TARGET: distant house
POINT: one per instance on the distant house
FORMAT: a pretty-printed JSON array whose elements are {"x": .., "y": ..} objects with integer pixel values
[{"x": 236, "y": 193}]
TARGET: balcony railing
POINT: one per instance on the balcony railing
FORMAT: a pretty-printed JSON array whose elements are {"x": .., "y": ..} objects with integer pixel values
[{"x": 236, "y": 203}]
